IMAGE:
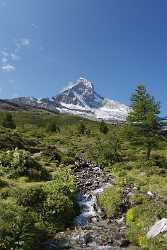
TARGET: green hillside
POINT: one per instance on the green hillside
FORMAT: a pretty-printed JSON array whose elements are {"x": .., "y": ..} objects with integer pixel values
[{"x": 37, "y": 185}]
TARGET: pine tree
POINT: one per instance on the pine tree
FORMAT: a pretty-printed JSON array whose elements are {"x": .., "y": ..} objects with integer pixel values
[
  {"x": 8, "y": 121},
  {"x": 103, "y": 127},
  {"x": 53, "y": 127},
  {"x": 143, "y": 121},
  {"x": 82, "y": 129}
]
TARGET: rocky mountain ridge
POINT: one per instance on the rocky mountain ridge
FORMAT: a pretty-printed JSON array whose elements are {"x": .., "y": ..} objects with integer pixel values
[{"x": 79, "y": 99}]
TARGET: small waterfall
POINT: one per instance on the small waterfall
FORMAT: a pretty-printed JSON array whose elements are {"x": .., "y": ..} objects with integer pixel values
[{"x": 92, "y": 230}]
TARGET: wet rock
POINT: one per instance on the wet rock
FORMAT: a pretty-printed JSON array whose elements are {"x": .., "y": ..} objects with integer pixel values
[
  {"x": 121, "y": 220},
  {"x": 124, "y": 243},
  {"x": 93, "y": 231},
  {"x": 94, "y": 219}
]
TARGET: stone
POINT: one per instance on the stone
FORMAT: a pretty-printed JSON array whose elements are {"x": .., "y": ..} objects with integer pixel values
[
  {"x": 120, "y": 221},
  {"x": 159, "y": 227},
  {"x": 94, "y": 219},
  {"x": 124, "y": 243},
  {"x": 150, "y": 194}
]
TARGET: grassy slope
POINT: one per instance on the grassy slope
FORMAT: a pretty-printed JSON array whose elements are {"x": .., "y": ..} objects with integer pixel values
[{"x": 132, "y": 171}]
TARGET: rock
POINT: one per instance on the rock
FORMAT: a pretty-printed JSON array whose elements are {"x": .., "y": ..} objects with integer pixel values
[
  {"x": 124, "y": 243},
  {"x": 151, "y": 194},
  {"x": 142, "y": 174},
  {"x": 120, "y": 221},
  {"x": 94, "y": 219},
  {"x": 159, "y": 227},
  {"x": 93, "y": 231}
]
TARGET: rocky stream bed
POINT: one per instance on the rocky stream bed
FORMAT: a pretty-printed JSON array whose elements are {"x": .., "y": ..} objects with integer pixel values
[{"x": 92, "y": 230}]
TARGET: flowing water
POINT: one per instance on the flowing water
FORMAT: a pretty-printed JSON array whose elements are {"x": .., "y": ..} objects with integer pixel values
[{"x": 92, "y": 230}]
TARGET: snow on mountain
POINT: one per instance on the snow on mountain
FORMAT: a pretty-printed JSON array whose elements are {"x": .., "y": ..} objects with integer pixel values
[
  {"x": 80, "y": 93},
  {"x": 112, "y": 110},
  {"x": 80, "y": 98}
]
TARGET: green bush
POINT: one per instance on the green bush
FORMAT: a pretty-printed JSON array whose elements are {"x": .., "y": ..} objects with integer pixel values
[
  {"x": 32, "y": 197},
  {"x": 8, "y": 121},
  {"x": 3, "y": 183},
  {"x": 58, "y": 210},
  {"x": 103, "y": 127},
  {"x": 138, "y": 199},
  {"x": 11, "y": 139},
  {"x": 140, "y": 218},
  {"x": 160, "y": 161},
  {"x": 18, "y": 163},
  {"x": 59, "y": 207},
  {"x": 82, "y": 129},
  {"x": 52, "y": 153},
  {"x": 111, "y": 200},
  {"x": 53, "y": 127},
  {"x": 17, "y": 230}
]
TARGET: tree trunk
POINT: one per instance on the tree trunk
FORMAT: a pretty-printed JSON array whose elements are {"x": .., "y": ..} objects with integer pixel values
[{"x": 148, "y": 153}]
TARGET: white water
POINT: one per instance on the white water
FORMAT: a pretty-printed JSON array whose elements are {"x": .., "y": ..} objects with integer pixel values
[{"x": 88, "y": 206}]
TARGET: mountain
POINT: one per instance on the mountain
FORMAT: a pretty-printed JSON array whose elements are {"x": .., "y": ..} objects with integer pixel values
[{"x": 79, "y": 99}]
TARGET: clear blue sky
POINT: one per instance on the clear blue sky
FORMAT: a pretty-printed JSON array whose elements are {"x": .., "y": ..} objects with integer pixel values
[{"x": 44, "y": 44}]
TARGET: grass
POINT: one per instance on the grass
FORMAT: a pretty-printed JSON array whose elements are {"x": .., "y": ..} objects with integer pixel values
[{"x": 56, "y": 151}]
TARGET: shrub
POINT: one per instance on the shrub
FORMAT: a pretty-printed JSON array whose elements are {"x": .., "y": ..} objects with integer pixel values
[
  {"x": 68, "y": 160},
  {"x": 160, "y": 161},
  {"x": 11, "y": 139},
  {"x": 103, "y": 127},
  {"x": 138, "y": 199},
  {"x": 52, "y": 153},
  {"x": 53, "y": 127},
  {"x": 140, "y": 218},
  {"x": 17, "y": 230},
  {"x": 111, "y": 200},
  {"x": 3, "y": 183},
  {"x": 59, "y": 207},
  {"x": 18, "y": 163},
  {"x": 32, "y": 197},
  {"x": 82, "y": 129},
  {"x": 58, "y": 210},
  {"x": 8, "y": 121}
]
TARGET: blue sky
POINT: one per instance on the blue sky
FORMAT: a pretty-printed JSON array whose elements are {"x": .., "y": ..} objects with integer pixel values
[{"x": 117, "y": 44}]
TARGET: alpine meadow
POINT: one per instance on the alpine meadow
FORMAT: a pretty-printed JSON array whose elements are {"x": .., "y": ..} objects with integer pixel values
[{"x": 83, "y": 164}]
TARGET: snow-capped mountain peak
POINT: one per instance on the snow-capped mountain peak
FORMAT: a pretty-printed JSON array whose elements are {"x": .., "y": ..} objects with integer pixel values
[
  {"x": 80, "y": 98},
  {"x": 81, "y": 93}
]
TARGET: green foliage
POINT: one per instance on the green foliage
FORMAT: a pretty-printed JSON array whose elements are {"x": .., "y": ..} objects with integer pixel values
[
  {"x": 82, "y": 129},
  {"x": 32, "y": 197},
  {"x": 144, "y": 127},
  {"x": 51, "y": 204},
  {"x": 17, "y": 230},
  {"x": 160, "y": 161},
  {"x": 107, "y": 152},
  {"x": 103, "y": 127},
  {"x": 20, "y": 163},
  {"x": 53, "y": 127},
  {"x": 59, "y": 207},
  {"x": 52, "y": 153},
  {"x": 11, "y": 139},
  {"x": 8, "y": 121},
  {"x": 138, "y": 199},
  {"x": 140, "y": 218},
  {"x": 111, "y": 200},
  {"x": 3, "y": 183}
]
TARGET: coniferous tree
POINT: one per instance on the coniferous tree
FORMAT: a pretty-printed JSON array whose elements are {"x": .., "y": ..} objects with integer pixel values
[
  {"x": 143, "y": 123},
  {"x": 82, "y": 128},
  {"x": 8, "y": 121},
  {"x": 103, "y": 127},
  {"x": 53, "y": 127}
]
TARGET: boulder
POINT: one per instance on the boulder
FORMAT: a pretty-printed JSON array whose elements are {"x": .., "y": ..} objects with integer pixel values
[{"x": 159, "y": 227}]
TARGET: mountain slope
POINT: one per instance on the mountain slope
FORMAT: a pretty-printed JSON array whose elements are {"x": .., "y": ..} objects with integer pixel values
[{"x": 80, "y": 99}]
